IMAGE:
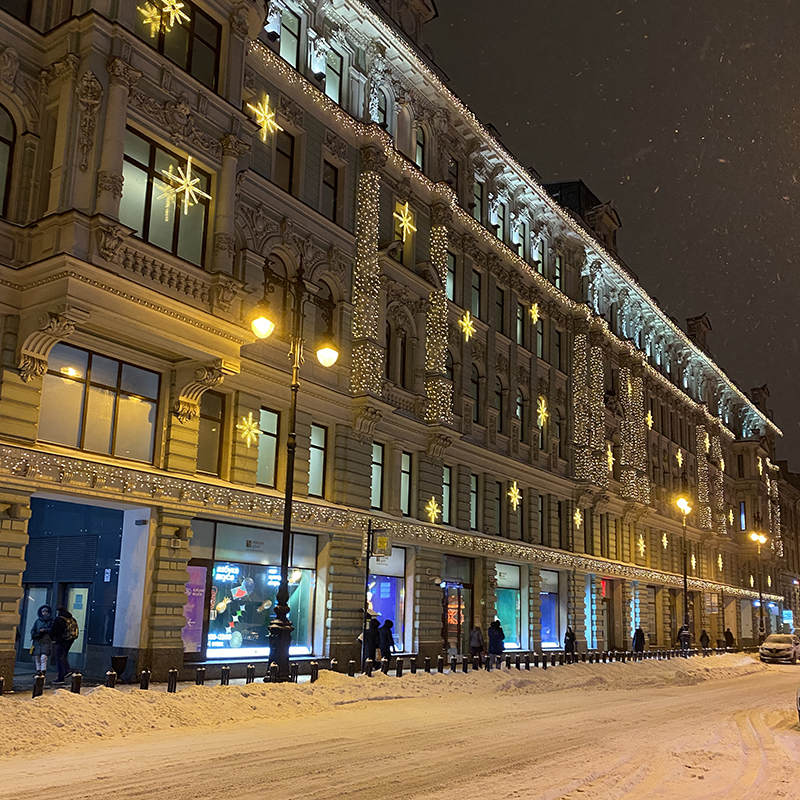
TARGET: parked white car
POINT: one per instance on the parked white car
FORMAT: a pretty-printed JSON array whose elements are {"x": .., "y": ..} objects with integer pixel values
[{"x": 780, "y": 647}]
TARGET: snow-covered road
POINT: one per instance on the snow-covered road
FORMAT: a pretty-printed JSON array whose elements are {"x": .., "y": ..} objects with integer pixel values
[{"x": 717, "y": 728}]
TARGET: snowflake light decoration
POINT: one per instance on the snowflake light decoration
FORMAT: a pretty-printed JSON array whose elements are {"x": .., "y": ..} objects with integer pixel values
[
  {"x": 641, "y": 546},
  {"x": 265, "y": 117},
  {"x": 719, "y": 562},
  {"x": 535, "y": 313},
  {"x": 577, "y": 517},
  {"x": 679, "y": 458},
  {"x": 151, "y": 16},
  {"x": 649, "y": 420},
  {"x": 432, "y": 510},
  {"x": 752, "y": 581},
  {"x": 542, "y": 414},
  {"x": 769, "y": 581},
  {"x": 172, "y": 13},
  {"x": 694, "y": 562},
  {"x": 406, "y": 220},
  {"x": 610, "y": 456},
  {"x": 249, "y": 429},
  {"x": 730, "y": 517},
  {"x": 514, "y": 495},
  {"x": 664, "y": 540},
  {"x": 164, "y": 18},
  {"x": 183, "y": 185},
  {"x": 760, "y": 466},
  {"x": 467, "y": 326}
]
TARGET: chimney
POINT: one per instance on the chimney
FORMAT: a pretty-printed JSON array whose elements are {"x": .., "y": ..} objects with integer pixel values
[{"x": 698, "y": 328}]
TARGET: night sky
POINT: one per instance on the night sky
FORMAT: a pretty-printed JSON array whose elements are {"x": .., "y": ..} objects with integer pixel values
[{"x": 686, "y": 115}]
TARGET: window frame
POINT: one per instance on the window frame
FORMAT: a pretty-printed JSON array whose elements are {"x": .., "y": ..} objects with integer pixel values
[
  {"x": 292, "y": 161},
  {"x": 476, "y": 297},
  {"x": 298, "y": 37},
  {"x": 314, "y": 448},
  {"x": 474, "y": 498},
  {"x": 406, "y": 482},
  {"x": 420, "y": 147},
  {"x": 220, "y": 441},
  {"x": 334, "y": 188},
  {"x": 329, "y": 70},
  {"x": 4, "y": 201},
  {"x": 450, "y": 277},
  {"x": 377, "y": 470},
  {"x": 447, "y": 494},
  {"x": 478, "y": 193},
  {"x": 277, "y": 437}
]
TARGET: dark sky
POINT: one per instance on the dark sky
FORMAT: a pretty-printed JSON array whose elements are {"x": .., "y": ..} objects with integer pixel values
[{"x": 687, "y": 116}]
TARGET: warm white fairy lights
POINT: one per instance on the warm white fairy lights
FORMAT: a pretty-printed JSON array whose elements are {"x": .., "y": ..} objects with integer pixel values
[
  {"x": 438, "y": 389},
  {"x": 633, "y": 463},
  {"x": 610, "y": 456},
  {"x": 703, "y": 487},
  {"x": 720, "y": 563}
]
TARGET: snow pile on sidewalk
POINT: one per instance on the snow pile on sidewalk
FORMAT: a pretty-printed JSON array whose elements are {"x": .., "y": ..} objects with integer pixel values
[{"x": 64, "y": 718}]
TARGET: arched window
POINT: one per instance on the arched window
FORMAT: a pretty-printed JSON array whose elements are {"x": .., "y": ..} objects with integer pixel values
[
  {"x": 475, "y": 393},
  {"x": 498, "y": 404},
  {"x": 6, "y": 157},
  {"x": 419, "y": 152}
]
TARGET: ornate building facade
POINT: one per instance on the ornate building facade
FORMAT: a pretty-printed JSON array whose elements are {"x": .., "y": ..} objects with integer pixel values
[{"x": 510, "y": 407}]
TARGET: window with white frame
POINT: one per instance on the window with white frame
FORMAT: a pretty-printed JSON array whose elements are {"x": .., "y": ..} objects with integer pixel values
[
  {"x": 376, "y": 476},
  {"x": 333, "y": 76},
  {"x": 450, "y": 283},
  {"x": 473, "y": 502},
  {"x": 447, "y": 494},
  {"x": 419, "y": 149},
  {"x": 290, "y": 38},
  {"x": 317, "y": 461},
  {"x": 209, "y": 437},
  {"x": 477, "y": 200},
  {"x": 405, "y": 484}
]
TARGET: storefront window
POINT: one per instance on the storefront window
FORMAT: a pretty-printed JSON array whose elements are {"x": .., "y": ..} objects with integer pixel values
[
  {"x": 509, "y": 604},
  {"x": 548, "y": 595},
  {"x": 386, "y": 591}
]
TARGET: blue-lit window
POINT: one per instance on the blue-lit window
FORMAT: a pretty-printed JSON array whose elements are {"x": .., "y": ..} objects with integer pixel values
[
  {"x": 548, "y": 596},
  {"x": 742, "y": 516}
]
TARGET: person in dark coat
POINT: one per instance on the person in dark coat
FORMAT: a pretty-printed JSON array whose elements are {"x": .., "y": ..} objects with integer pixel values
[
  {"x": 684, "y": 637},
  {"x": 476, "y": 643},
  {"x": 638, "y": 640},
  {"x": 386, "y": 639},
  {"x": 569, "y": 641},
  {"x": 729, "y": 640},
  {"x": 42, "y": 638},
  {"x": 371, "y": 639},
  {"x": 496, "y": 637},
  {"x": 704, "y": 639},
  {"x": 63, "y": 642}
]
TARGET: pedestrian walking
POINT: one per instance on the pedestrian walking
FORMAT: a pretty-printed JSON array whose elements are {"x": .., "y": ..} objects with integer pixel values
[
  {"x": 704, "y": 639},
  {"x": 496, "y": 637},
  {"x": 476, "y": 642},
  {"x": 684, "y": 637},
  {"x": 41, "y": 636},
  {"x": 569, "y": 641},
  {"x": 638, "y": 640},
  {"x": 386, "y": 639},
  {"x": 371, "y": 640},
  {"x": 729, "y": 640},
  {"x": 65, "y": 632}
]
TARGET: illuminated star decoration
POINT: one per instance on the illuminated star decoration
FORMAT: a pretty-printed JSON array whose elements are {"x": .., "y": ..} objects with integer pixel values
[
  {"x": 679, "y": 458},
  {"x": 578, "y": 517},
  {"x": 542, "y": 413},
  {"x": 752, "y": 581},
  {"x": 182, "y": 185},
  {"x": 467, "y": 326},
  {"x": 769, "y": 581},
  {"x": 730, "y": 516},
  {"x": 152, "y": 17},
  {"x": 172, "y": 11},
  {"x": 249, "y": 429},
  {"x": 694, "y": 562},
  {"x": 707, "y": 443},
  {"x": 610, "y": 457},
  {"x": 649, "y": 420},
  {"x": 432, "y": 510},
  {"x": 664, "y": 540},
  {"x": 406, "y": 220},
  {"x": 719, "y": 562},
  {"x": 535, "y": 313},
  {"x": 514, "y": 495},
  {"x": 722, "y": 464},
  {"x": 265, "y": 117},
  {"x": 760, "y": 466},
  {"x": 640, "y": 545}
]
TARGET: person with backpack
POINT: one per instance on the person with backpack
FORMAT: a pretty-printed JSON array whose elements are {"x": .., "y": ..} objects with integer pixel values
[
  {"x": 42, "y": 638},
  {"x": 65, "y": 632}
]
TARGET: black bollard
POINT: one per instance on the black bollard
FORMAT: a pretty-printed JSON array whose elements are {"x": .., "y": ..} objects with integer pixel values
[
  {"x": 553, "y": 659},
  {"x": 314, "y": 671},
  {"x": 440, "y": 664},
  {"x": 369, "y": 666},
  {"x": 273, "y": 672},
  {"x": 476, "y": 662},
  {"x": 453, "y": 662},
  {"x": 488, "y": 664},
  {"x": 172, "y": 681},
  {"x": 38, "y": 685},
  {"x": 583, "y": 658},
  {"x": 385, "y": 665},
  {"x": 544, "y": 660},
  {"x": 465, "y": 664},
  {"x": 111, "y": 679},
  {"x": 294, "y": 671},
  {"x": 517, "y": 661},
  {"x": 426, "y": 664},
  {"x": 560, "y": 659},
  {"x": 413, "y": 662},
  {"x": 225, "y": 676},
  {"x": 351, "y": 669},
  {"x": 508, "y": 662},
  {"x": 75, "y": 683},
  {"x": 334, "y": 665},
  {"x": 144, "y": 680},
  {"x": 2, "y": 685},
  {"x": 536, "y": 660},
  {"x": 528, "y": 661},
  {"x": 200, "y": 676},
  {"x": 399, "y": 669}
]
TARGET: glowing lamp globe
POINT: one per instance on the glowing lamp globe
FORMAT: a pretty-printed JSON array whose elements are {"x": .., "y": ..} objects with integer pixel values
[
  {"x": 327, "y": 354},
  {"x": 262, "y": 326}
]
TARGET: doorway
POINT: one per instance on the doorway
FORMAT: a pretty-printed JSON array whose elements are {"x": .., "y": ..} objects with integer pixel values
[{"x": 456, "y": 616}]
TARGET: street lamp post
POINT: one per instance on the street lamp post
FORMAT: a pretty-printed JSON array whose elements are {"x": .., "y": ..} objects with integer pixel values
[
  {"x": 760, "y": 539},
  {"x": 280, "y": 629},
  {"x": 686, "y": 509}
]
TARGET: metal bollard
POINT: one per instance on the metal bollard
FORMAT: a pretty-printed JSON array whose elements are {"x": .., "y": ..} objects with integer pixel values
[
  {"x": 440, "y": 664},
  {"x": 144, "y": 680},
  {"x": 314, "y": 671},
  {"x": 560, "y": 660},
  {"x": 399, "y": 669},
  {"x": 172, "y": 681},
  {"x": 528, "y": 661},
  {"x": 200, "y": 676},
  {"x": 38, "y": 685},
  {"x": 250, "y": 673},
  {"x": 465, "y": 664},
  {"x": 334, "y": 666},
  {"x": 273, "y": 672},
  {"x": 508, "y": 662},
  {"x": 413, "y": 662},
  {"x": 583, "y": 658},
  {"x": 517, "y": 661},
  {"x": 368, "y": 667},
  {"x": 426, "y": 664},
  {"x": 453, "y": 662},
  {"x": 604, "y": 656},
  {"x": 385, "y": 666},
  {"x": 111, "y": 679},
  {"x": 75, "y": 683},
  {"x": 351, "y": 669},
  {"x": 476, "y": 662},
  {"x": 536, "y": 660},
  {"x": 669, "y": 655},
  {"x": 544, "y": 660},
  {"x": 294, "y": 671},
  {"x": 488, "y": 665},
  {"x": 2, "y": 685},
  {"x": 225, "y": 676}
]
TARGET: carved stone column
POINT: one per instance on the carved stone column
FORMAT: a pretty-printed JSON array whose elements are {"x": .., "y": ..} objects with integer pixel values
[
  {"x": 122, "y": 76},
  {"x": 233, "y": 149},
  {"x": 62, "y": 78}
]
